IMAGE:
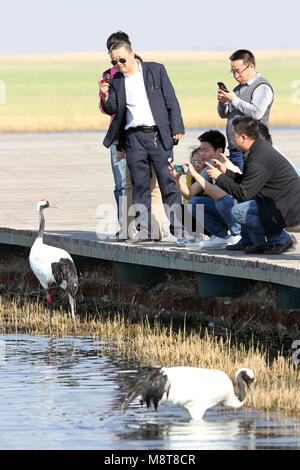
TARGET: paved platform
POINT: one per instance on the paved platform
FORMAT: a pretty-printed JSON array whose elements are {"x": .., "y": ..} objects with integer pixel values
[{"x": 73, "y": 170}]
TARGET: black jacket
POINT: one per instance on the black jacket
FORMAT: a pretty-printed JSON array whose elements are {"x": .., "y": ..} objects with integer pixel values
[
  {"x": 162, "y": 99},
  {"x": 271, "y": 180}
]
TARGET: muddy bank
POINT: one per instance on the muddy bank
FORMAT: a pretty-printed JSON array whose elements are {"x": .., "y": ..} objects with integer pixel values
[{"x": 175, "y": 296}]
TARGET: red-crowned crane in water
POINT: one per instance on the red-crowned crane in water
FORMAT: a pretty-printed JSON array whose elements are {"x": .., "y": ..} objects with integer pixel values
[
  {"x": 53, "y": 265},
  {"x": 191, "y": 388}
]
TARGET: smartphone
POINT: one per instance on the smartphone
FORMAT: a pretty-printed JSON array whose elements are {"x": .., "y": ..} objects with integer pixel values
[
  {"x": 222, "y": 86},
  {"x": 182, "y": 169},
  {"x": 106, "y": 78}
]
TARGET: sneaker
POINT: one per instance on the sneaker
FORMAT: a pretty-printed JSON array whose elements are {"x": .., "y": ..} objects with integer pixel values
[
  {"x": 235, "y": 239},
  {"x": 215, "y": 243},
  {"x": 194, "y": 242},
  {"x": 185, "y": 241}
]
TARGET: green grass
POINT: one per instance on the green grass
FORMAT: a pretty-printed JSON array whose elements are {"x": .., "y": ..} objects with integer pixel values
[{"x": 55, "y": 94}]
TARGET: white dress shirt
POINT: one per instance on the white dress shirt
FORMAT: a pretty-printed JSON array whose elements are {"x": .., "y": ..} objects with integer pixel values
[{"x": 138, "y": 109}]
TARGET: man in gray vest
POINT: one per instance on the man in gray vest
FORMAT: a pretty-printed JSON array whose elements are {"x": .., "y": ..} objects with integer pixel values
[{"x": 253, "y": 97}]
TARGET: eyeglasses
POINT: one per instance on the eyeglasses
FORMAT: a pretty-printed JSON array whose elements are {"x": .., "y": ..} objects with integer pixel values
[
  {"x": 239, "y": 72},
  {"x": 117, "y": 61},
  {"x": 196, "y": 162},
  {"x": 203, "y": 149}
]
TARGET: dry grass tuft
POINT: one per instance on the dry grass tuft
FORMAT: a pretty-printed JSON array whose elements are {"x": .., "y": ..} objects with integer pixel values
[{"x": 277, "y": 383}]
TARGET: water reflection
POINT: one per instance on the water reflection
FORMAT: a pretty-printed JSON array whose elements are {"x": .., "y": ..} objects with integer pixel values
[
  {"x": 219, "y": 430},
  {"x": 59, "y": 393}
]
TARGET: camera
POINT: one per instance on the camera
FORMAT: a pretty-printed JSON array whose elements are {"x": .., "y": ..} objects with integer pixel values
[{"x": 183, "y": 169}]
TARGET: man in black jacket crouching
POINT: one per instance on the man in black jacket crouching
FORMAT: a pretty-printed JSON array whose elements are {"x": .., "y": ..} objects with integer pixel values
[{"x": 268, "y": 191}]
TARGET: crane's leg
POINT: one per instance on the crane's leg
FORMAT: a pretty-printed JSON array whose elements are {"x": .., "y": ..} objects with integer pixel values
[
  {"x": 49, "y": 300},
  {"x": 72, "y": 305}
]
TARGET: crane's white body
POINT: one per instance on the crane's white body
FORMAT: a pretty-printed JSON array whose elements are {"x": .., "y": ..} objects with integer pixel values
[
  {"x": 192, "y": 388},
  {"x": 198, "y": 389},
  {"x": 41, "y": 258},
  {"x": 53, "y": 265}
]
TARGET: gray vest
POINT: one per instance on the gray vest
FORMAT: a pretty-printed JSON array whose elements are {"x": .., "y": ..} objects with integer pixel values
[{"x": 245, "y": 93}]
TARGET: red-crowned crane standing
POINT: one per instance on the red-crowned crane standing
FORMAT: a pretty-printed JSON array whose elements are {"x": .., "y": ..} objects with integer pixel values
[{"x": 53, "y": 265}]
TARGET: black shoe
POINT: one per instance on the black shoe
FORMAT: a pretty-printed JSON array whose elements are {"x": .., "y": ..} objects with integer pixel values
[
  {"x": 239, "y": 246},
  {"x": 278, "y": 249},
  {"x": 259, "y": 249}
]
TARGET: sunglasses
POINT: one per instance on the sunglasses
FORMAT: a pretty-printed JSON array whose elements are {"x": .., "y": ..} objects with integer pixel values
[{"x": 116, "y": 61}]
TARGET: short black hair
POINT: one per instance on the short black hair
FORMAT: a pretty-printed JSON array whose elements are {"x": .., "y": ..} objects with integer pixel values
[
  {"x": 214, "y": 138},
  {"x": 193, "y": 151},
  {"x": 119, "y": 36},
  {"x": 246, "y": 125},
  {"x": 118, "y": 44},
  {"x": 243, "y": 54},
  {"x": 264, "y": 132}
]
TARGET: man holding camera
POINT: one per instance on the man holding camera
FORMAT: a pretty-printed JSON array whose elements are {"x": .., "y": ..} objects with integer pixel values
[
  {"x": 252, "y": 97},
  {"x": 267, "y": 191},
  {"x": 147, "y": 123}
]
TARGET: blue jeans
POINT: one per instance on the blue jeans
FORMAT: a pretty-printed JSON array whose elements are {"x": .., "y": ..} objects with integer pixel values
[
  {"x": 236, "y": 157},
  {"x": 217, "y": 215},
  {"x": 247, "y": 214},
  {"x": 119, "y": 174}
]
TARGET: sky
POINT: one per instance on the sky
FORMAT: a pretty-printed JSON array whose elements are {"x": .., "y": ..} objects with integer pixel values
[{"x": 62, "y": 26}]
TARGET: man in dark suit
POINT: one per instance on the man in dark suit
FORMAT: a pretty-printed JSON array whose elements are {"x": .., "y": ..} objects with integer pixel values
[{"x": 146, "y": 125}]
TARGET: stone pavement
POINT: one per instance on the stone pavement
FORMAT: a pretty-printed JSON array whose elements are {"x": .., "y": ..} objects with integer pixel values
[{"x": 73, "y": 170}]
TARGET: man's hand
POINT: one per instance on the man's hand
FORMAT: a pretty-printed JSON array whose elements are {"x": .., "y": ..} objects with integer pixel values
[
  {"x": 191, "y": 170},
  {"x": 177, "y": 137},
  {"x": 212, "y": 171},
  {"x": 222, "y": 158},
  {"x": 220, "y": 166},
  {"x": 120, "y": 155},
  {"x": 104, "y": 90},
  {"x": 173, "y": 172},
  {"x": 225, "y": 96}
]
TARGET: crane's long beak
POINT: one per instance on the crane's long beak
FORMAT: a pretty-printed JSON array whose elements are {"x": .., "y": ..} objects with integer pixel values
[
  {"x": 252, "y": 391},
  {"x": 54, "y": 206}
]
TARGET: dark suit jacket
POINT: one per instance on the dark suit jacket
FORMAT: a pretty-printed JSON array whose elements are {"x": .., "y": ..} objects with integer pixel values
[
  {"x": 162, "y": 99},
  {"x": 270, "y": 179}
]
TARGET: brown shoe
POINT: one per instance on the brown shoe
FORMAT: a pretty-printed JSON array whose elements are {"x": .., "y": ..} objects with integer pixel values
[
  {"x": 278, "y": 249},
  {"x": 257, "y": 250}
]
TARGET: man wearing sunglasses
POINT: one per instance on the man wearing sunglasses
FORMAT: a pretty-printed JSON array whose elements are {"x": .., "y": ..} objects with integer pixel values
[
  {"x": 147, "y": 123},
  {"x": 252, "y": 97}
]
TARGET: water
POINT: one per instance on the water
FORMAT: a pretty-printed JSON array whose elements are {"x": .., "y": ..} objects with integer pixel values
[{"x": 66, "y": 393}]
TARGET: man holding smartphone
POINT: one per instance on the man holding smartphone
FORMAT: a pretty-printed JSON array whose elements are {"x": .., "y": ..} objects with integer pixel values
[
  {"x": 147, "y": 123},
  {"x": 252, "y": 97}
]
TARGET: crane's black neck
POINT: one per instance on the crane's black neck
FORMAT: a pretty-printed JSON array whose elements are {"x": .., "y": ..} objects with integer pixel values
[
  {"x": 242, "y": 393},
  {"x": 241, "y": 380},
  {"x": 42, "y": 224}
]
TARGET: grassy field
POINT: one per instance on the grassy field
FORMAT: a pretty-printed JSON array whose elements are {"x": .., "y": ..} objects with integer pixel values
[{"x": 50, "y": 93}]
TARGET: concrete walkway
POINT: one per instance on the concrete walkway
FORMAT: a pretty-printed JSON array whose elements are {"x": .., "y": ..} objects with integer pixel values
[{"x": 73, "y": 170}]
